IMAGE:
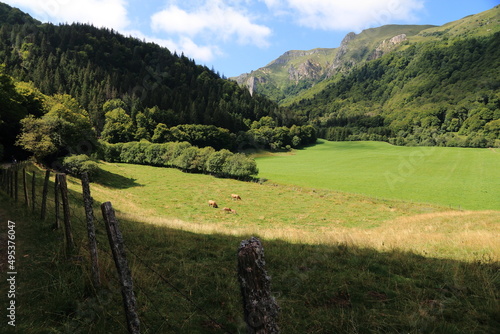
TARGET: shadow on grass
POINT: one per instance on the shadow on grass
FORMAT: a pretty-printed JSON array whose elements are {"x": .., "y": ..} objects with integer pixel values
[
  {"x": 112, "y": 180},
  {"x": 187, "y": 276}
]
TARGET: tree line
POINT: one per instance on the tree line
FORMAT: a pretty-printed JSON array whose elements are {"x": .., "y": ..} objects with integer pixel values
[
  {"x": 181, "y": 155},
  {"x": 68, "y": 92},
  {"x": 97, "y": 65}
]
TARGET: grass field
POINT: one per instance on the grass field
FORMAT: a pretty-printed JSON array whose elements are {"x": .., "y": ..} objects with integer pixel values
[
  {"x": 170, "y": 198},
  {"x": 458, "y": 177},
  {"x": 338, "y": 262}
]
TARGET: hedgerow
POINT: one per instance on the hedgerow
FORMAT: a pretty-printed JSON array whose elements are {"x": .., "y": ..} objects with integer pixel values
[{"x": 181, "y": 155}]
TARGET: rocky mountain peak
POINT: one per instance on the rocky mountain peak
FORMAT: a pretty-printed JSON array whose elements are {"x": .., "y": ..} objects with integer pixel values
[{"x": 387, "y": 45}]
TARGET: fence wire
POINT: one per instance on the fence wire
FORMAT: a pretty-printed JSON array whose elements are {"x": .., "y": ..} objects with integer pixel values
[{"x": 78, "y": 226}]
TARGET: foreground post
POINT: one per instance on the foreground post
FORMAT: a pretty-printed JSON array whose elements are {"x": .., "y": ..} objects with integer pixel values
[
  {"x": 16, "y": 187},
  {"x": 25, "y": 188},
  {"x": 63, "y": 185},
  {"x": 259, "y": 307},
  {"x": 116, "y": 242},
  {"x": 33, "y": 192},
  {"x": 45, "y": 192},
  {"x": 89, "y": 213},
  {"x": 11, "y": 182},
  {"x": 57, "y": 224}
]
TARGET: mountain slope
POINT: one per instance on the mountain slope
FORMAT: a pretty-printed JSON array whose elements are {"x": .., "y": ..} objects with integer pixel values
[
  {"x": 432, "y": 86},
  {"x": 301, "y": 74},
  {"x": 95, "y": 65},
  {"x": 295, "y": 72},
  {"x": 437, "y": 93}
]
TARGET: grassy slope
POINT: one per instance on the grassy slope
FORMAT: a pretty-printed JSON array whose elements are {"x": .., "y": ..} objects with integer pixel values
[
  {"x": 446, "y": 176},
  {"x": 168, "y": 197},
  {"x": 319, "y": 288}
]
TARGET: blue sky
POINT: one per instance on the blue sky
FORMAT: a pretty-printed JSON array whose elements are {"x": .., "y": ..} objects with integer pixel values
[{"x": 237, "y": 36}]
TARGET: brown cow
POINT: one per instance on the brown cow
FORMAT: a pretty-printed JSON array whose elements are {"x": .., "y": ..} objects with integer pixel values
[
  {"x": 235, "y": 197},
  {"x": 229, "y": 210},
  {"x": 212, "y": 204}
]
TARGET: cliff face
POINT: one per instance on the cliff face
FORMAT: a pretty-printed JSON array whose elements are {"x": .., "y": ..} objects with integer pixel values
[
  {"x": 298, "y": 70},
  {"x": 387, "y": 46},
  {"x": 306, "y": 70}
]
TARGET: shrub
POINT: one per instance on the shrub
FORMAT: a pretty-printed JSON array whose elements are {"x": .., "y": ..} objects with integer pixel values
[
  {"x": 239, "y": 166},
  {"x": 78, "y": 164},
  {"x": 109, "y": 152},
  {"x": 180, "y": 155},
  {"x": 216, "y": 160}
]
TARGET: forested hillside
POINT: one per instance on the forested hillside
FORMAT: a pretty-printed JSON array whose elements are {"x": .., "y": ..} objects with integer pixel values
[
  {"x": 294, "y": 74},
  {"x": 435, "y": 93},
  {"x": 95, "y": 65},
  {"x": 409, "y": 85},
  {"x": 123, "y": 90}
]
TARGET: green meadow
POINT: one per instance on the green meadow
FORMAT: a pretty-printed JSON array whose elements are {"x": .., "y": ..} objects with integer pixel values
[
  {"x": 462, "y": 178},
  {"x": 339, "y": 261}
]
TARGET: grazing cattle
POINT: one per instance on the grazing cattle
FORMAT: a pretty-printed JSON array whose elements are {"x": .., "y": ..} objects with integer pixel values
[
  {"x": 212, "y": 204},
  {"x": 235, "y": 197},
  {"x": 229, "y": 210}
]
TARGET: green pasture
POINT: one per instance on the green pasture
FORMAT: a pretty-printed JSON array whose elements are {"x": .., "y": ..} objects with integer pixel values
[
  {"x": 463, "y": 178},
  {"x": 170, "y": 198}
]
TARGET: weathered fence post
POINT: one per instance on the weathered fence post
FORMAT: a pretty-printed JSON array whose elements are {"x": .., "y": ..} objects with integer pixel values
[
  {"x": 25, "y": 189},
  {"x": 89, "y": 213},
  {"x": 66, "y": 211},
  {"x": 259, "y": 307},
  {"x": 16, "y": 186},
  {"x": 10, "y": 174},
  {"x": 116, "y": 242},
  {"x": 45, "y": 192},
  {"x": 8, "y": 181},
  {"x": 33, "y": 193},
  {"x": 57, "y": 223},
  {"x": 12, "y": 182}
]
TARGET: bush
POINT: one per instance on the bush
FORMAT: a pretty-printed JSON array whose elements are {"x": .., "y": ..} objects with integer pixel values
[
  {"x": 78, "y": 164},
  {"x": 109, "y": 152},
  {"x": 239, "y": 166},
  {"x": 180, "y": 155}
]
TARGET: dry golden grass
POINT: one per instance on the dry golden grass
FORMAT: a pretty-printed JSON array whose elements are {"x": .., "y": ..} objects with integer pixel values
[{"x": 431, "y": 235}]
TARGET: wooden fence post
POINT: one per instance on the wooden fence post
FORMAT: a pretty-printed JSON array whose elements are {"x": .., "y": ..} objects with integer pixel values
[
  {"x": 10, "y": 174},
  {"x": 259, "y": 307},
  {"x": 89, "y": 213},
  {"x": 33, "y": 194},
  {"x": 45, "y": 192},
  {"x": 116, "y": 242},
  {"x": 25, "y": 188},
  {"x": 57, "y": 223},
  {"x": 7, "y": 181},
  {"x": 12, "y": 182},
  {"x": 16, "y": 186},
  {"x": 70, "y": 245}
]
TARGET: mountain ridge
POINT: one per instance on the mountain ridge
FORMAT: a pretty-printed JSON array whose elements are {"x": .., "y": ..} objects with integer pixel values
[
  {"x": 370, "y": 44},
  {"x": 296, "y": 70}
]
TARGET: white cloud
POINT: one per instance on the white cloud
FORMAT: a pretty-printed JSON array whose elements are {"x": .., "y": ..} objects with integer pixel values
[
  {"x": 215, "y": 21},
  {"x": 101, "y": 13},
  {"x": 347, "y": 15}
]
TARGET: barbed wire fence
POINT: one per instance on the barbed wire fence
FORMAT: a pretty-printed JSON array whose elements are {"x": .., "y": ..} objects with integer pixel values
[{"x": 71, "y": 212}]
